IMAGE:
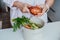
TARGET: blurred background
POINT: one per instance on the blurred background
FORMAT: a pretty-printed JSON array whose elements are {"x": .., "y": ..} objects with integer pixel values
[
  {"x": 53, "y": 14},
  {"x": 4, "y": 16}
]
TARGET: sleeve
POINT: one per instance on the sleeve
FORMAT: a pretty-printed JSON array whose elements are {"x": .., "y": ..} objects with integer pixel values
[{"x": 9, "y": 3}]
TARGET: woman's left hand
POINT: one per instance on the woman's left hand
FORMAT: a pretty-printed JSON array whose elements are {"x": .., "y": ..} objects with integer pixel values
[{"x": 44, "y": 7}]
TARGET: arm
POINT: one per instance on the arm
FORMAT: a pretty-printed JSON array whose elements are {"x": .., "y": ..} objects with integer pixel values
[
  {"x": 49, "y": 2},
  {"x": 13, "y": 3},
  {"x": 46, "y": 6},
  {"x": 22, "y": 6},
  {"x": 17, "y": 4}
]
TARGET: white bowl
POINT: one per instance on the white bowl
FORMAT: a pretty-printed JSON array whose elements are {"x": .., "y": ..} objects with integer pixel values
[{"x": 36, "y": 34}]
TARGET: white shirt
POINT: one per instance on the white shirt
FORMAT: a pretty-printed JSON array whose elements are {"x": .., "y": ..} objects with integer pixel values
[{"x": 14, "y": 12}]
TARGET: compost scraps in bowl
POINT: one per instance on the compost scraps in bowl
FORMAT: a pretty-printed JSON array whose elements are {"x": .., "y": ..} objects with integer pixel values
[{"x": 25, "y": 22}]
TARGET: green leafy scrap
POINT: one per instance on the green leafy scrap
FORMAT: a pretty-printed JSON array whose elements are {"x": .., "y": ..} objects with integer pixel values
[{"x": 18, "y": 22}]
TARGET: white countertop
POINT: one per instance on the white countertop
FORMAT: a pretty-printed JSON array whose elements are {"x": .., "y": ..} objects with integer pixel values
[{"x": 51, "y": 32}]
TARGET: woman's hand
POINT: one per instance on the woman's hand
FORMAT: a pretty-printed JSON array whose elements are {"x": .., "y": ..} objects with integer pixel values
[
  {"x": 44, "y": 7},
  {"x": 25, "y": 8},
  {"x": 22, "y": 6}
]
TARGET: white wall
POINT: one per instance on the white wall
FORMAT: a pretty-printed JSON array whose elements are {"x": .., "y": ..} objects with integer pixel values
[{"x": 55, "y": 16}]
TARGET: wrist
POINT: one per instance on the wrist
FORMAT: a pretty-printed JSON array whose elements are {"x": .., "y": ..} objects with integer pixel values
[{"x": 47, "y": 6}]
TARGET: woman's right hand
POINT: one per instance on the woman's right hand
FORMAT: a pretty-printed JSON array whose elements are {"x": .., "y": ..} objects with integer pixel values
[
  {"x": 25, "y": 8},
  {"x": 22, "y": 6}
]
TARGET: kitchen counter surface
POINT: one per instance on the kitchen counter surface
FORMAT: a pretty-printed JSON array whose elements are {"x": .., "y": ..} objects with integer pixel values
[{"x": 51, "y": 32}]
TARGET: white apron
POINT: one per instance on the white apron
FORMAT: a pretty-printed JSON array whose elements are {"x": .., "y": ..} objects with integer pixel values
[{"x": 14, "y": 12}]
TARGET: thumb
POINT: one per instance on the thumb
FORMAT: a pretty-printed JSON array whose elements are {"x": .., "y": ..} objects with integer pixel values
[
  {"x": 25, "y": 10},
  {"x": 39, "y": 14}
]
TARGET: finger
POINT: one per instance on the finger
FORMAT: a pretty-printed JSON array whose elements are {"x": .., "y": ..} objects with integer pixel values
[
  {"x": 27, "y": 5},
  {"x": 44, "y": 10},
  {"x": 25, "y": 10},
  {"x": 39, "y": 14}
]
